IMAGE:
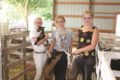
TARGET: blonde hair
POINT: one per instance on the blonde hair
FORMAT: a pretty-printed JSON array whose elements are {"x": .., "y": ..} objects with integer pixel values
[
  {"x": 88, "y": 12},
  {"x": 37, "y": 18},
  {"x": 59, "y": 17}
]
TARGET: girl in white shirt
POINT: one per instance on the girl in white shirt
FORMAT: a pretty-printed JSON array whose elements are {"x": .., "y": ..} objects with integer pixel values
[{"x": 39, "y": 54}]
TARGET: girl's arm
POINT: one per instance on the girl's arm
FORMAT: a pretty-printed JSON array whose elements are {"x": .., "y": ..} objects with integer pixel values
[{"x": 95, "y": 38}]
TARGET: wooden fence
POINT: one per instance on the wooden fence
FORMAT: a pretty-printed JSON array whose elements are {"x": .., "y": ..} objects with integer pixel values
[{"x": 7, "y": 65}]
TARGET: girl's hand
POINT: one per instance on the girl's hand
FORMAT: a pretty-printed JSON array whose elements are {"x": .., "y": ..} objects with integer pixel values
[
  {"x": 49, "y": 53},
  {"x": 46, "y": 37},
  {"x": 75, "y": 52},
  {"x": 40, "y": 42}
]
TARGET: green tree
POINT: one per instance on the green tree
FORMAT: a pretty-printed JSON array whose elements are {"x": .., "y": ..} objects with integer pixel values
[{"x": 26, "y": 7}]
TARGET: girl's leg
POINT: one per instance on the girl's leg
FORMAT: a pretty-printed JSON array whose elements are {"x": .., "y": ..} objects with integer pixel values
[
  {"x": 60, "y": 68},
  {"x": 88, "y": 68},
  {"x": 39, "y": 60}
]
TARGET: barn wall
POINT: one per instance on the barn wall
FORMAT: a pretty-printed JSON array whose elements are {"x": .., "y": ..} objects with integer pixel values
[
  {"x": 71, "y": 9},
  {"x": 111, "y": 8},
  {"x": 104, "y": 11}
]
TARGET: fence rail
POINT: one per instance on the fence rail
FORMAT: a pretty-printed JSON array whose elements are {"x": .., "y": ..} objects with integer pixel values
[{"x": 7, "y": 65}]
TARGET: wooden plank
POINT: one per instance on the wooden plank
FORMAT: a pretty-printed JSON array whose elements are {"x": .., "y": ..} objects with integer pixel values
[
  {"x": 74, "y": 29},
  {"x": 15, "y": 47},
  {"x": 115, "y": 22},
  {"x": 112, "y": 13},
  {"x": 104, "y": 17},
  {"x": 100, "y": 30},
  {"x": 54, "y": 9},
  {"x": 5, "y": 61},
  {"x": 89, "y": 3},
  {"x": 105, "y": 3},
  {"x": 72, "y": 16},
  {"x": 0, "y": 60},
  {"x": 18, "y": 35},
  {"x": 24, "y": 55},
  {"x": 14, "y": 63},
  {"x": 80, "y": 16},
  {"x": 81, "y": 3},
  {"x": 17, "y": 76},
  {"x": 91, "y": 7},
  {"x": 106, "y": 31}
]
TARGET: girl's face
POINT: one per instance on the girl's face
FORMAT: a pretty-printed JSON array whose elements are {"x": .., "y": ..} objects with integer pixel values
[
  {"x": 60, "y": 23},
  {"x": 87, "y": 19},
  {"x": 38, "y": 23}
]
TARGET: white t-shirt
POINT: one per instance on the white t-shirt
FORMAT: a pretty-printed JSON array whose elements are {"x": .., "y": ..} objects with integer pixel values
[
  {"x": 62, "y": 37},
  {"x": 37, "y": 48}
]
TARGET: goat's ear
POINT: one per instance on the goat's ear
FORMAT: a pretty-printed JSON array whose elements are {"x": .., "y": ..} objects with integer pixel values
[{"x": 43, "y": 28}]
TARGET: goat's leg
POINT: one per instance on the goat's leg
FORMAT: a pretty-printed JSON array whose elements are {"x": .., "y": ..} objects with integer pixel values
[
  {"x": 48, "y": 69},
  {"x": 73, "y": 71}
]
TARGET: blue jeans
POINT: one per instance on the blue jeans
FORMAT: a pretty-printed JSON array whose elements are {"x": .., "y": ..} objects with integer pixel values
[
  {"x": 83, "y": 65},
  {"x": 86, "y": 66},
  {"x": 61, "y": 66}
]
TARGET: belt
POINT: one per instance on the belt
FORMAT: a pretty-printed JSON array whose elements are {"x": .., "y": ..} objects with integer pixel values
[{"x": 39, "y": 52}]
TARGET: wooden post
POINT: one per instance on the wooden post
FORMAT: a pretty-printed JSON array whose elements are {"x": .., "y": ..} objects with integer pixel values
[
  {"x": 91, "y": 5},
  {"x": 54, "y": 9},
  {"x": 6, "y": 65},
  {"x": 5, "y": 60},
  {"x": 24, "y": 55},
  {"x": 0, "y": 60}
]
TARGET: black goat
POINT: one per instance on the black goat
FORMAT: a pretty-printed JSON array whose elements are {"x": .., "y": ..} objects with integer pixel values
[{"x": 42, "y": 34}]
